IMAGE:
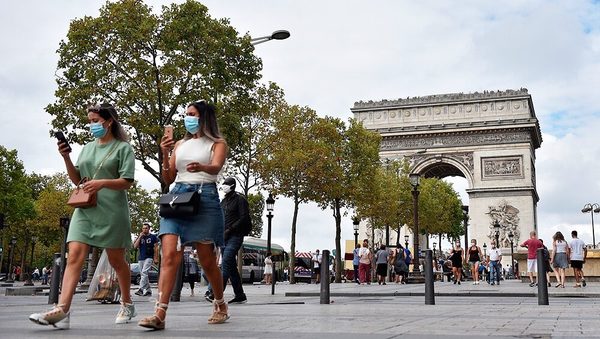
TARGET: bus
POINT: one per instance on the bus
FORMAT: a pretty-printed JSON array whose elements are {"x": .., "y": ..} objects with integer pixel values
[{"x": 254, "y": 251}]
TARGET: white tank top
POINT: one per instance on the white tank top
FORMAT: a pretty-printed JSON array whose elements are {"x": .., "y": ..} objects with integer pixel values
[
  {"x": 194, "y": 150},
  {"x": 561, "y": 246}
]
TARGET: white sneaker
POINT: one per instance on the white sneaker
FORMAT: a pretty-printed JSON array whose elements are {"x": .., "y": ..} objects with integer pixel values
[
  {"x": 126, "y": 313},
  {"x": 55, "y": 317}
]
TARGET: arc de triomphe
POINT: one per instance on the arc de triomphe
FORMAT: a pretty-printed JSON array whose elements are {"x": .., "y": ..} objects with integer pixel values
[{"x": 488, "y": 138}]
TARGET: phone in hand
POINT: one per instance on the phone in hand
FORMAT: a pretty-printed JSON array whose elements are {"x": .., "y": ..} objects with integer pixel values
[
  {"x": 169, "y": 131},
  {"x": 61, "y": 137}
]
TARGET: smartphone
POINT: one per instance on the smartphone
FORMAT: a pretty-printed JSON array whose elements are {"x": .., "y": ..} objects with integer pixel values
[
  {"x": 61, "y": 137},
  {"x": 169, "y": 131}
]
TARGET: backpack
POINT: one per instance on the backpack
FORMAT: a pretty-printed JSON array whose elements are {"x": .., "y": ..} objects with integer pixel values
[{"x": 407, "y": 256}]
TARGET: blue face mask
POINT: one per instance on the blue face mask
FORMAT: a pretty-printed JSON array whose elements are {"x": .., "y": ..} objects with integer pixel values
[
  {"x": 97, "y": 130},
  {"x": 192, "y": 124}
]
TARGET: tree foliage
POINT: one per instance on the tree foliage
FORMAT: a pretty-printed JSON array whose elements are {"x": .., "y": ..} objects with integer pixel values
[
  {"x": 256, "y": 204},
  {"x": 143, "y": 207},
  {"x": 151, "y": 66}
]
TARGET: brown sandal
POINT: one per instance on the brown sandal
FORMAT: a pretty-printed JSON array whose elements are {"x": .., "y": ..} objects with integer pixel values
[
  {"x": 154, "y": 321},
  {"x": 219, "y": 315}
]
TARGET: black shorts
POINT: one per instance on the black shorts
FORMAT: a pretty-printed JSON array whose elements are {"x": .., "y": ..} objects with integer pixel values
[
  {"x": 317, "y": 270},
  {"x": 577, "y": 264},
  {"x": 382, "y": 269}
]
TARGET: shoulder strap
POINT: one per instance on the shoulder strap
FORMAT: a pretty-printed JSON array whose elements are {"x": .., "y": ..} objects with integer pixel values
[{"x": 106, "y": 157}]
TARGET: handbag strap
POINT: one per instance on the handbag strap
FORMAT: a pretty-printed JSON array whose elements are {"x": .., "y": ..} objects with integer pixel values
[{"x": 84, "y": 179}]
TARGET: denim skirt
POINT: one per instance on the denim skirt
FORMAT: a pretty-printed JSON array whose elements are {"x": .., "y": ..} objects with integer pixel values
[
  {"x": 560, "y": 260},
  {"x": 206, "y": 226}
]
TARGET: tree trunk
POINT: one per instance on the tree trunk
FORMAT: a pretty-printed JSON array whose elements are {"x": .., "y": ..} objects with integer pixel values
[
  {"x": 293, "y": 242},
  {"x": 338, "y": 253}
]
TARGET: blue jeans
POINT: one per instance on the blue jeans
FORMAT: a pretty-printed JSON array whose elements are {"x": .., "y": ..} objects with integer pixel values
[
  {"x": 229, "y": 264},
  {"x": 494, "y": 271}
]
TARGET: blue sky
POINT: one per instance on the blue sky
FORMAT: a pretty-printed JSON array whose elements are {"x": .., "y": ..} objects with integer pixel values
[{"x": 341, "y": 52}]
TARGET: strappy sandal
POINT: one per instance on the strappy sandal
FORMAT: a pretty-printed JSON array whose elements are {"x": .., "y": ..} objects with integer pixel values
[
  {"x": 219, "y": 315},
  {"x": 154, "y": 321},
  {"x": 558, "y": 285},
  {"x": 56, "y": 317}
]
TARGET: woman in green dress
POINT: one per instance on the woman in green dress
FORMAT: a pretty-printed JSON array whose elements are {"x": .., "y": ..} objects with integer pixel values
[{"x": 109, "y": 163}]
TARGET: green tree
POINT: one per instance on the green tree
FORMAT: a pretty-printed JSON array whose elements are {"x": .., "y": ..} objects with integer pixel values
[
  {"x": 256, "y": 204},
  {"x": 286, "y": 169},
  {"x": 150, "y": 66},
  {"x": 440, "y": 208},
  {"x": 348, "y": 155},
  {"x": 142, "y": 207},
  {"x": 242, "y": 161}
]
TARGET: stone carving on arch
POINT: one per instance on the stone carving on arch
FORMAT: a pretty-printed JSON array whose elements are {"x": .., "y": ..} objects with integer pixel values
[
  {"x": 507, "y": 217},
  {"x": 463, "y": 161}
]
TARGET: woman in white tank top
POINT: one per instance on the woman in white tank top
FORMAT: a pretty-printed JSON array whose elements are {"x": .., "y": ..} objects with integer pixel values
[
  {"x": 559, "y": 259},
  {"x": 193, "y": 163}
]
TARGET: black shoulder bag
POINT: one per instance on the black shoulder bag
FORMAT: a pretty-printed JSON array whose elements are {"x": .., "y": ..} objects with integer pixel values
[{"x": 179, "y": 205}]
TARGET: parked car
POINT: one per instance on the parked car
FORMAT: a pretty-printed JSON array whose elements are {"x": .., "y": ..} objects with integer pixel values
[{"x": 136, "y": 276}]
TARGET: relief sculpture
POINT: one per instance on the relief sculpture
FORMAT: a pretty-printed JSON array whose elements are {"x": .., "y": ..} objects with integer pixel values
[{"x": 507, "y": 216}]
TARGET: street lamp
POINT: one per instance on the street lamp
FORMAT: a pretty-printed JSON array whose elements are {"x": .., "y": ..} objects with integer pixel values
[
  {"x": 484, "y": 250},
  {"x": 465, "y": 210},
  {"x": 592, "y": 208},
  {"x": 497, "y": 232},
  {"x": 270, "y": 203},
  {"x": 355, "y": 225},
  {"x": 511, "y": 237},
  {"x": 434, "y": 246},
  {"x": 406, "y": 237},
  {"x": 29, "y": 281},
  {"x": 414, "y": 181},
  {"x": 277, "y": 35},
  {"x": 11, "y": 252}
]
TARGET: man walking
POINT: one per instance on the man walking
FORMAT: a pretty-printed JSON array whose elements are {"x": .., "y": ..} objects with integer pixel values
[
  {"x": 578, "y": 254},
  {"x": 237, "y": 225},
  {"x": 355, "y": 259},
  {"x": 147, "y": 245},
  {"x": 532, "y": 244},
  {"x": 495, "y": 257},
  {"x": 316, "y": 258}
]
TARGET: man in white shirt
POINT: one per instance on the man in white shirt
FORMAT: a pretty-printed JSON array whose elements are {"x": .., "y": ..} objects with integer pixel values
[
  {"x": 578, "y": 254},
  {"x": 317, "y": 265},
  {"x": 495, "y": 257}
]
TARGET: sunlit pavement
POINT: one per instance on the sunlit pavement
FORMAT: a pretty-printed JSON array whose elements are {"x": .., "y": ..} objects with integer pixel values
[{"x": 355, "y": 311}]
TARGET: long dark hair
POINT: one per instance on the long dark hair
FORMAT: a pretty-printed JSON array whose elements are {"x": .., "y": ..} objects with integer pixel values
[
  {"x": 108, "y": 112},
  {"x": 208, "y": 121},
  {"x": 558, "y": 236}
]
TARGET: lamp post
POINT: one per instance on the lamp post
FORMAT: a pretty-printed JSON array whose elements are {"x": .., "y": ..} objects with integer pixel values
[
  {"x": 497, "y": 232},
  {"x": 414, "y": 181},
  {"x": 277, "y": 35},
  {"x": 355, "y": 225},
  {"x": 511, "y": 237},
  {"x": 406, "y": 237},
  {"x": 270, "y": 203},
  {"x": 11, "y": 252},
  {"x": 465, "y": 210},
  {"x": 592, "y": 208},
  {"x": 29, "y": 281},
  {"x": 434, "y": 246},
  {"x": 484, "y": 250}
]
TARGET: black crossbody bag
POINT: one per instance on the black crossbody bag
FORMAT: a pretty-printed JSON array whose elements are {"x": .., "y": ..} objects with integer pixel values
[{"x": 179, "y": 205}]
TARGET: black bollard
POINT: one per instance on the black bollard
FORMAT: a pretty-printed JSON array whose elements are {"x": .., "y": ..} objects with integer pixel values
[
  {"x": 325, "y": 279},
  {"x": 55, "y": 282},
  {"x": 541, "y": 278},
  {"x": 429, "y": 290},
  {"x": 176, "y": 294}
]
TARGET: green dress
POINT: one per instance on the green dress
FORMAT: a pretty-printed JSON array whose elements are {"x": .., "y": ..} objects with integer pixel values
[{"x": 107, "y": 225}]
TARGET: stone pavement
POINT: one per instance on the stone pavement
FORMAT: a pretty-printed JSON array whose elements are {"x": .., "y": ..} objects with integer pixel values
[{"x": 372, "y": 311}]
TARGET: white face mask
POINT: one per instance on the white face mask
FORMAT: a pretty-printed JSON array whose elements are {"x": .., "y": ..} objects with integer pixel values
[{"x": 226, "y": 188}]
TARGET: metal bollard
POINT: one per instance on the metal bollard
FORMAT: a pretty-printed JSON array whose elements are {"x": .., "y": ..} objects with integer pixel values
[
  {"x": 325, "y": 279},
  {"x": 55, "y": 282},
  {"x": 429, "y": 290},
  {"x": 541, "y": 278},
  {"x": 176, "y": 293}
]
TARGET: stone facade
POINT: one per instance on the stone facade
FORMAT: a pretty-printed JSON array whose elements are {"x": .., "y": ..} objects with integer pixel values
[{"x": 489, "y": 138}]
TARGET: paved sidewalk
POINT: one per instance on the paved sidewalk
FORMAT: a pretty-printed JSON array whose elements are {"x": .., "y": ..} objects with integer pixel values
[{"x": 372, "y": 311}]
